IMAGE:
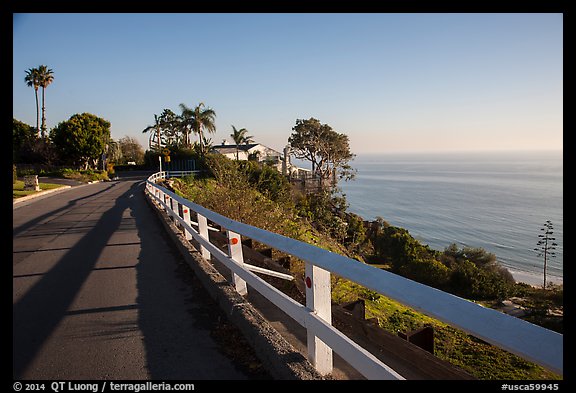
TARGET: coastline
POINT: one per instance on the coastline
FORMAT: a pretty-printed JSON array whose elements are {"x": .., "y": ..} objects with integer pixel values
[
  {"x": 534, "y": 280},
  {"x": 491, "y": 200}
]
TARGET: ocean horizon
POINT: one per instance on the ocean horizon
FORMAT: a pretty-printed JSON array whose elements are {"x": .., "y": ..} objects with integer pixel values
[{"x": 496, "y": 200}]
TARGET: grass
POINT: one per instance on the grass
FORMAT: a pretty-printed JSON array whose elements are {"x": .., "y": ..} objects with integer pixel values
[
  {"x": 480, "y": 359},
  {"x": 83, "y": 176},
  {"x": 18, "y": 189}
]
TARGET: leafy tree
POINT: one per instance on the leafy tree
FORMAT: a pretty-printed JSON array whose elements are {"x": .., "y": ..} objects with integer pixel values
[
  {"x": 131, "y": 150},
  {"x": 82, "y": 138},
  {"x": 240, "y": 137},
  {"x": 165, "y": 130},
  {"x": 23, "y": 138},
  {"x": 46, "y": 76},
  {"x": 355, "y": 233},
  {"x": 32, "y": 79},
  {"x": 29, "y": 148},
  {"x": 327, "y": 150},
  {"x": 171, "y": 127}
]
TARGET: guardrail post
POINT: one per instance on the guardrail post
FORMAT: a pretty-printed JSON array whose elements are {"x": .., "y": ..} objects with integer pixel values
[
  {"x": 165, "y": 202},
  {"x": 186, "y": 218},
  {"x": 169, "y": 208},
  {"x": 203, "y": 231},
  {"x": 318, "y": 299},
  {"x": 235, "y": 252},
  {"x": 172, "y": 213},
  {"x": 179, "y": 208}
]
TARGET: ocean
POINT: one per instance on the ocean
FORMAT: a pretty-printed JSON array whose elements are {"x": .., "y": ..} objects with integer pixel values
[{"x": 495, "y": 200}]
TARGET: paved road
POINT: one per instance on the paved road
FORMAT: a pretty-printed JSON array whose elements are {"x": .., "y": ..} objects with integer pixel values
[{"x": 99, "y": 293}]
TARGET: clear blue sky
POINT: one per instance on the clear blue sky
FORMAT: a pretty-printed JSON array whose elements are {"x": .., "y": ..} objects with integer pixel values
[{"x": 391, "y": 82}]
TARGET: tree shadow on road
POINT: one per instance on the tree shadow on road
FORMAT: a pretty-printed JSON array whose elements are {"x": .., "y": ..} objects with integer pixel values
[{"x": 37, "y": 314}]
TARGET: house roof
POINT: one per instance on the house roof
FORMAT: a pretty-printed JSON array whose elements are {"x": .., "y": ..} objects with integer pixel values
[
  {"x": 232, "y": 148},
  {"x": 227, "y": 149}
]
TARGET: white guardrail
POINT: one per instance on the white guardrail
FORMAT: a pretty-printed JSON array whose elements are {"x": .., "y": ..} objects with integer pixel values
[{"x": 529, "y": 341}]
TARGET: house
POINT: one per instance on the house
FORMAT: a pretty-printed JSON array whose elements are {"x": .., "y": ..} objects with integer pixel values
[
  {"x": 302, "y": 178},
  {"x": 256, "y": 151}
]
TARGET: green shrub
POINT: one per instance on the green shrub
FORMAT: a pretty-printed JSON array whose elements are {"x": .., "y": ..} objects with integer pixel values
[
  {"x": 429, "y": 272},
  {"x": 110, "y": 170}
]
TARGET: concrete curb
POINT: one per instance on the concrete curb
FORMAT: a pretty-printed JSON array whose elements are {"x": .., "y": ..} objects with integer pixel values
[
  {"x": 53, "y": 190},
  {"x": 39, "y": 194},
  {"x": 279, "y": 357}
]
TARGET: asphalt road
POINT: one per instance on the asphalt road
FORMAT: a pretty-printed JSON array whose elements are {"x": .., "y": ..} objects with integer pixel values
[{"x": 99, "y": 293}]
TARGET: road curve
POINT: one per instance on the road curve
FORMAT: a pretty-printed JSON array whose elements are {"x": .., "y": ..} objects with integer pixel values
[{"x": 99, "y": 293}]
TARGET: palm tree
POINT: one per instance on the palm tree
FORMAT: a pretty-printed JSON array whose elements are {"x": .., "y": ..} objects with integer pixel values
[
  {"x": 32, "y": 79},
  {"x": 199, "y": 119},
  {"x": 186, "y": 122},
  {"x": 240, "y": 138},
  {"x": 166, "y": 127},
  {"x": 46, "y": 77},
  {"x": 155, "y": 127},
  {"x": 207, "y": 143}
]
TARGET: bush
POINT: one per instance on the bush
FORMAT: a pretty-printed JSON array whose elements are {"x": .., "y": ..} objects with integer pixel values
[
  {"x": 469, "y": 281},
  {"x": 399, "y": 247},
  {"x": 84, "y": 176},
  {"x": 429, "y": 272},
  {"x": 224, "y": 170},
  {"x": 110, "y": 170},
  {"x": 267, "y": 180}
]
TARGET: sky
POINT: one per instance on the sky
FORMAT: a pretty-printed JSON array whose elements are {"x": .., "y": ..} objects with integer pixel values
[{"x": 392, "y": 82}]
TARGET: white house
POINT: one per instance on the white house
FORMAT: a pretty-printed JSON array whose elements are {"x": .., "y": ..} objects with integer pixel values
[
  {"x": 261, "y": 153},
  {"x": 256, "y": 150}
]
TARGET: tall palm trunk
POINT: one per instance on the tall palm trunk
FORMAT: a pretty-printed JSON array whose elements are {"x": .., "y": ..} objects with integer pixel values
[
  {"x": 45, "y": 76},
  {"x": 37, "y": 112},
  {"x": 43, "y": 114},
  {"x": 33, "y": 79},
  {"x": 201, "y": 140}
]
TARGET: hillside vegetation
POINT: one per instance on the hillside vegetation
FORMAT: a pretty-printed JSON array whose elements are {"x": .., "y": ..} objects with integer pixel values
[{"x": 260, "y": 196}]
